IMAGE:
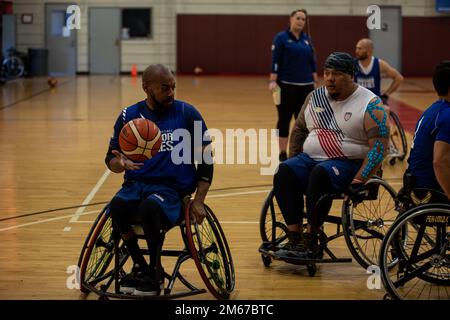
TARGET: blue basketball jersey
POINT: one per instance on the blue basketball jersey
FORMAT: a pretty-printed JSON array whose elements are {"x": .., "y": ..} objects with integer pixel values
[
  {"x": 433, "y": 125},
  {"x": 161, "y": 169},
  {"x": 370, "y": 80}
]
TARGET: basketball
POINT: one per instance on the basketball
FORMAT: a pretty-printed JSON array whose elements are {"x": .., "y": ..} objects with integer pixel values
[
  {"x": 52, "y": 82},
  {"x": 140, "y": 139}
]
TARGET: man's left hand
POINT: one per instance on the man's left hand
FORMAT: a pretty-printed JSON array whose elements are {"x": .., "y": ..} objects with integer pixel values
[
  {"x": 357, "y": 192},
  {"x": 198, "y": 212}
]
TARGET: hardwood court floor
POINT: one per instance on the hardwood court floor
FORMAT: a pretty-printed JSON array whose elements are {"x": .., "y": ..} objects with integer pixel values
[{"x": 53, "y": 143}]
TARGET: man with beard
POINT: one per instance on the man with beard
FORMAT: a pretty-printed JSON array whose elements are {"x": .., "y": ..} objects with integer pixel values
[
  {"x": 152, "y": 191},
  {"x": 369, "y": 70},
  {"x": 337, "y": 144}
]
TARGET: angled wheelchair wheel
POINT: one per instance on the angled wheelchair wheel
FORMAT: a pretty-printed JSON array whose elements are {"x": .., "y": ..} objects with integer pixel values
[
  {"x": 13, "y": 67},
  {"x": 365, "y": 224},
  {"x": 97, "y": 253},
  {"x": 272, "y": 227},
  {"x": 398, "y": 145},
  {"x": 211, "y": 254},
  {"x": 423, "y": 269}
]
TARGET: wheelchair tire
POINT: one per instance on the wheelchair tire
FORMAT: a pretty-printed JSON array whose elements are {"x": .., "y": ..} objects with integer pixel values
[
  {"x": 211, "y": 253},
  {"x": 97, "y": 252},
  {"x": 312, "y": 269},
  {"x": 270, "y": 231},
  {"x": 267, "y": 260},
  {"x": 13, "y": 67},
  {"x": 398, "y": 137},
  {"x": 421, "y": 258},
  {"x": 366, "y": 224}
]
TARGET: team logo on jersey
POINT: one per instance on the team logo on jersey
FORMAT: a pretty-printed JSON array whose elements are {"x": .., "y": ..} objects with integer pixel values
[
  {"x": 307, "y": 43},
  {"x": 347, "y": 116},
  {"x": 273, "y": 47}
]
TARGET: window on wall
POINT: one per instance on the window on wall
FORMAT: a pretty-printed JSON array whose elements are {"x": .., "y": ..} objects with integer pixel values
[{"x": 136, "y": 23}]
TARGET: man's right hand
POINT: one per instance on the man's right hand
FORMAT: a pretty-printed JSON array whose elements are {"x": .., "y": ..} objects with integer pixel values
[
  {"x": 357, "y": 192},
  {"x": 126, "y": 163},
  {"x": 272, "y": 85}
]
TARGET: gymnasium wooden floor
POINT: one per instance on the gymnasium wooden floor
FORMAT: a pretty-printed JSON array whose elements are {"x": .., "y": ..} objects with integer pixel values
[{"x": 52, "y": 146}]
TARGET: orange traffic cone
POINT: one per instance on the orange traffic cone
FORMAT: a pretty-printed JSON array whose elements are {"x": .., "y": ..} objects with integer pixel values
[{"x": 133, "y": 70}]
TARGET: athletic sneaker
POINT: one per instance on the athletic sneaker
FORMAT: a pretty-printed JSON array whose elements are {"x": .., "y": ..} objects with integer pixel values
[
  {"x": 149, "y": 286},
  {"x": 130, "y": 281},
  {"x": 294, "y": 248},
  {"x": 314, "y": 249}
]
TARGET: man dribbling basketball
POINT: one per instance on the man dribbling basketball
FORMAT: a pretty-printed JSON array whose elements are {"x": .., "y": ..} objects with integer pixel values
[{"x": 152, "y": 191}]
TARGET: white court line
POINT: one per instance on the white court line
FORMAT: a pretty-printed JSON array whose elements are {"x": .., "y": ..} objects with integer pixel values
[
  {"x": 81, "y": 213},
  {"x": 236, "y": 194},
  {"x": 46, "y": 220},
  {"x": 90, "y": 196}
]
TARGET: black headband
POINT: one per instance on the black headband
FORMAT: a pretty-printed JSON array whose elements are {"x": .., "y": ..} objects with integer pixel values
[{"x": 341, "y": 61}]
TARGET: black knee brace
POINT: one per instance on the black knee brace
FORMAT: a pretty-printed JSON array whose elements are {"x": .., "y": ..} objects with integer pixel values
[
  {"x": 121, "y": 213},
  {"x": 155, "y": 224},
  {"x": 318, "y": 206},
  {"x": 288, "y": 194}
]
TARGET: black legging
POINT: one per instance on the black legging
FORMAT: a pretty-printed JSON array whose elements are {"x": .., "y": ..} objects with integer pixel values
[
  {"x": 154, "y": 222},
  {"x": 292, "y": 99},
  {"x": 289, "y": 190}
]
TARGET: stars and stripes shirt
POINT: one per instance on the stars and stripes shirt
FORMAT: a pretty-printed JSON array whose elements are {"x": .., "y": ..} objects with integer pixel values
[{"x": 336, "y": 128}]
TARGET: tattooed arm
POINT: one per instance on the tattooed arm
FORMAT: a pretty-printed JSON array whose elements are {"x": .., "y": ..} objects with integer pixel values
[
  {"x": 300, "y": 131},
  {"x": 376, "y": 125}
]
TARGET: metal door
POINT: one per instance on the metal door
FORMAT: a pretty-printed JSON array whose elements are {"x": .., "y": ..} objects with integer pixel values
[
  {"x": 104, "y": 40},
  {"x": 388, "y": 40},
  {"x": 60, "y": 41}
]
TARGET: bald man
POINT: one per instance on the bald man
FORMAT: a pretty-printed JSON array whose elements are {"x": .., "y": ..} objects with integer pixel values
[
  {"x": 152, "y": 190},
  {"x": 370, "y": 69}
]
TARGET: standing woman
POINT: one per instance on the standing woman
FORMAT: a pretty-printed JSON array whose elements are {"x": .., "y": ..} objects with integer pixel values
[{"x": 293, "y": 71}]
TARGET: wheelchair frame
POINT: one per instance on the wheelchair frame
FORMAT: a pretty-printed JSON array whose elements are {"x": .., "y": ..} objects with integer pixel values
[
  {"x": 429, "y": 250},
  {"x": 351, "y": 230},
  {"x": 397, "y": 140},
  {"x": 210, "y": 253}
]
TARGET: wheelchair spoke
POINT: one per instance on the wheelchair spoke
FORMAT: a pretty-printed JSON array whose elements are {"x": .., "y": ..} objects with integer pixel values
[
  {"x": 205, "y": 239},
  {"x": 412, "y": 274},
  {"x": 369, "y": 221},
  {"x": 420, "y": 243}
]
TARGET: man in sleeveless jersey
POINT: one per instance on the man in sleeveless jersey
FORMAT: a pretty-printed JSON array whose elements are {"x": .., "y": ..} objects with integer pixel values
[
  {"x": 429, "y": 160},
  {"x": 338, "y": 142},
  {"x": 369, "y": 70},
  {"x": 152, "y": 191}
]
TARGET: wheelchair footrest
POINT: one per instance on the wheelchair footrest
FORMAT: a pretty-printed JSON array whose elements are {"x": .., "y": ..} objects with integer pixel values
[
  {"x": 268, "y": 249},
  {"x": 300, "y": 261}
]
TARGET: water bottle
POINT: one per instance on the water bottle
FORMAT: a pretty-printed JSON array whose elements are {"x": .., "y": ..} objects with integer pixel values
[{"x": 276, "y": 95}]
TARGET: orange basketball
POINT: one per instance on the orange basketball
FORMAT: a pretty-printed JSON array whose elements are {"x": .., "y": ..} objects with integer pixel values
[
  {"x": 52, "y": 82},
  {"x": 140, "y": 139}
]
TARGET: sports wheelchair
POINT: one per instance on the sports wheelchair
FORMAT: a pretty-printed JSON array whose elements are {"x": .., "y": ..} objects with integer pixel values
[
  {"x": 420, "y": 241},
  {"x": 363, "y": 226},
  {"x": 103, "y": 258}
]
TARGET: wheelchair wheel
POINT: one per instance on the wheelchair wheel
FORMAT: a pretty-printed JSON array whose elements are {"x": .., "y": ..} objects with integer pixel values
[
  {"x": 211, "y": 254},
  {"x": 97, "y": 253},
  {"x": 398, "y": 145},
  {"x": 13, "y": 67},
  {"x": 271, "y": 224},
  {"x": 365, "y": 224},
  {"x": 423, "y": 270}
]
